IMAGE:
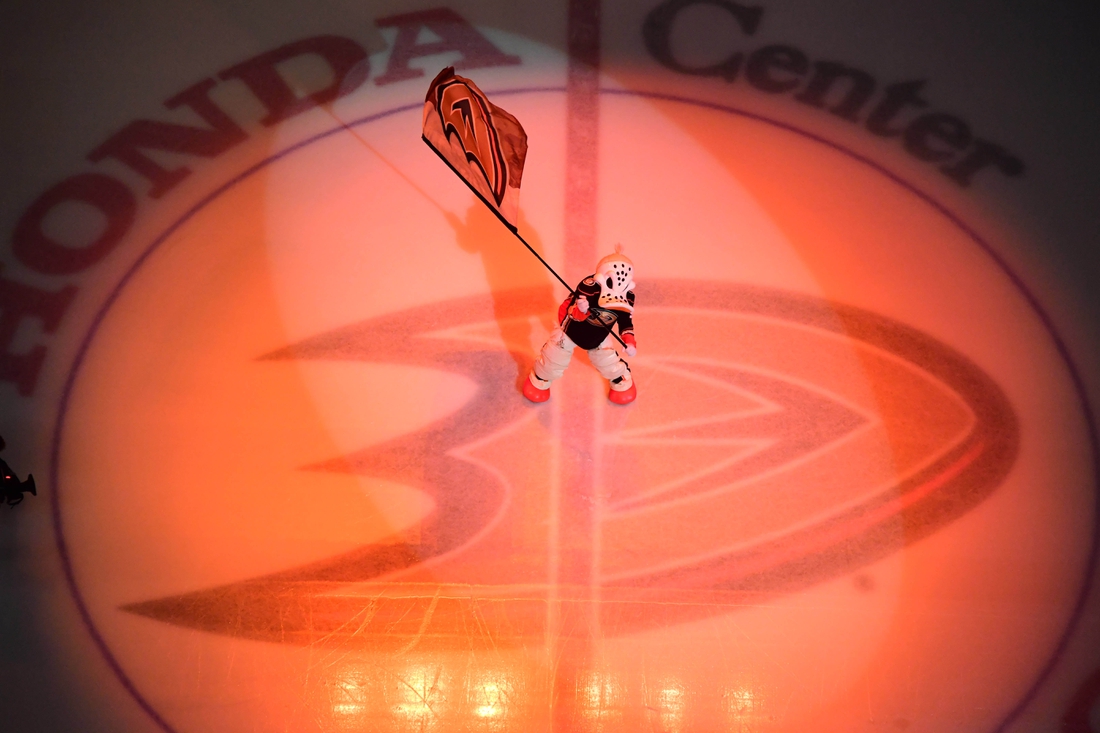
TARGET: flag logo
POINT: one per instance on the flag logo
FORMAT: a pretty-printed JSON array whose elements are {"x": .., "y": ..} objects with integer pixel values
[{"x": 484, "y": 145}]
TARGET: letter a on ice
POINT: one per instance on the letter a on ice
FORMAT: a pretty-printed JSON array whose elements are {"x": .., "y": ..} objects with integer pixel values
[{"x": 482, "y": 143}]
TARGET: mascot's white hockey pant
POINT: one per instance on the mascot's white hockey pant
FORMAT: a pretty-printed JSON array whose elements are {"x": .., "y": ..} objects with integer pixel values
[{"x": 557, "y": 352}]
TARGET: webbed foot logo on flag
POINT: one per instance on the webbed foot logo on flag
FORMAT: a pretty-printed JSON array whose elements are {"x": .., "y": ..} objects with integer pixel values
[{"x": 484, "y": 145}]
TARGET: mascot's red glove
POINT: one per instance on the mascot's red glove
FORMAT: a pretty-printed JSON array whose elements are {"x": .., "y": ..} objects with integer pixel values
[
  {"x": 576, "y": 313},
  {"x": 631, "y": 344}
]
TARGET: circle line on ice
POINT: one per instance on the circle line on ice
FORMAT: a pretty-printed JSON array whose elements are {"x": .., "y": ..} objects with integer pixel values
[{"x": 112, "y": 298}]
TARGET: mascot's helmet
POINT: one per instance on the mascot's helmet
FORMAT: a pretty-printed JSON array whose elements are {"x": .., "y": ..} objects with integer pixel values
[{"x": 615, "y": 274}]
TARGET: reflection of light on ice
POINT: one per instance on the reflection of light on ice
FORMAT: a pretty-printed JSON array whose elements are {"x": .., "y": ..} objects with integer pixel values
[
  {"x": 743, "y": 705},
  {"x": 422, "y": 695},
  {"x": 671, "y": 701},
  {"x": 347, "y": 708},
  {"x": 491, "y": 698},
  {"x": 348, "y": 698},
  {"x": 740, "y": 700},
  {"x": 600, "y": 694}
]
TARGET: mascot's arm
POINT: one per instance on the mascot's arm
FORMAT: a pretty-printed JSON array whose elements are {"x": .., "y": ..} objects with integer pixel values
[
  {"x": 580, "y": 300},
  {"x": 626, "y": 328}
]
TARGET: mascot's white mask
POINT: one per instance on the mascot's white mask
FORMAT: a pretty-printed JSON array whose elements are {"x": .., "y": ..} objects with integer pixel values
[{"x": 615, "y": 274}]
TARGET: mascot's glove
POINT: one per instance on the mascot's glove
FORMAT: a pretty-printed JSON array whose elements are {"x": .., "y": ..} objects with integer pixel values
[
  {"x": 579, "y": 308},
  {"x": 631, "y": 344},
  {"x": 576, "y": 312}
]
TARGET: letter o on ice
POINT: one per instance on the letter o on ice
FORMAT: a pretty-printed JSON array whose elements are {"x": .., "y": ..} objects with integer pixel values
[{"x": 39, "y": 252}]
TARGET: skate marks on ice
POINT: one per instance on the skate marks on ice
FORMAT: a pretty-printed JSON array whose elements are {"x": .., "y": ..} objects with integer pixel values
[{"x": 778, "y": 441}]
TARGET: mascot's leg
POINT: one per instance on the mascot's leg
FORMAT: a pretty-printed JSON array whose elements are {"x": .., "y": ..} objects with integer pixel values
[
  {"x": 554, "y": 358},
  {"x": 612, "y": 368}
]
